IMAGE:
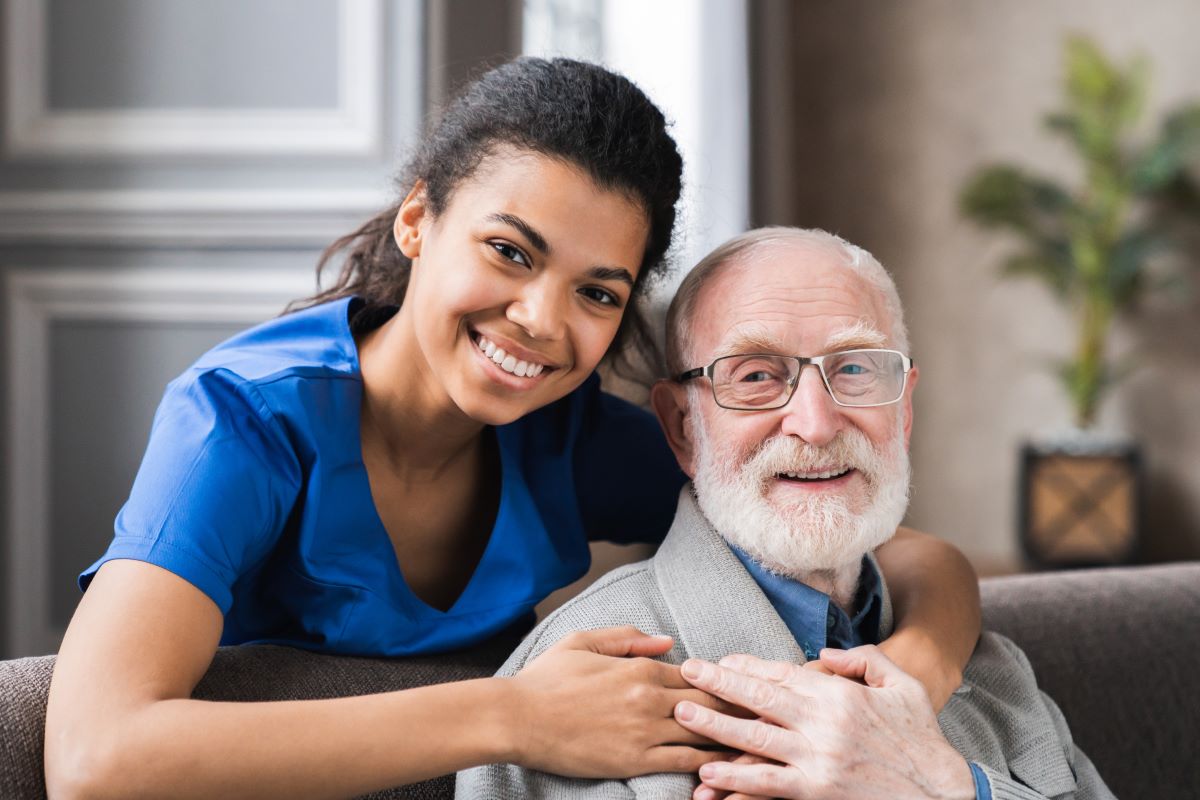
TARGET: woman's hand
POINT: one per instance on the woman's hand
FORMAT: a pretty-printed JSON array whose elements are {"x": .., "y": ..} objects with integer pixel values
[{"x": 596, "y": 706}]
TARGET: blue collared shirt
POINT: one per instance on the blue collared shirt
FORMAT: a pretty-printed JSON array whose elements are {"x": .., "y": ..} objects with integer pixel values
[
  {"x": 816, "y": 622},
  {"x": 812, "y": 618}
]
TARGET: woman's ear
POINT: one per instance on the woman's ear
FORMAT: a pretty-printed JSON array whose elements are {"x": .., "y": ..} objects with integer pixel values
[
  {"x": 407, "y": 228},
  {"x": 670, "y": 403}
]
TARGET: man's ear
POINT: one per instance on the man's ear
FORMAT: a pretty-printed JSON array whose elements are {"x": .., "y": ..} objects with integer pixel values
[
  {"x": 913, "y": 374},
  {"x": 670, "y": 403},
  {"x": 407, "y": 228}
]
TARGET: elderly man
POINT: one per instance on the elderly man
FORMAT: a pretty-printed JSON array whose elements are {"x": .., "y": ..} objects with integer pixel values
[{"x": 791, "y": 411}]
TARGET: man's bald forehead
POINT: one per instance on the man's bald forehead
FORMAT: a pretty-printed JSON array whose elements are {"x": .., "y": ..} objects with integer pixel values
[{"x": 776, "y": 248}]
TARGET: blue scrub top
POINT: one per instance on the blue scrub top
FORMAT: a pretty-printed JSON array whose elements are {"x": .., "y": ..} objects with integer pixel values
[{"x": 253, "y": 489}]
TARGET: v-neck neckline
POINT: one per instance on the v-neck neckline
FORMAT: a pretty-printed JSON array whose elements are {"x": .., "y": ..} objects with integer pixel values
[{"x": 382, "y": 538}]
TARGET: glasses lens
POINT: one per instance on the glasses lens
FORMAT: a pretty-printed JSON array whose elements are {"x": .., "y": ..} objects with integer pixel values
[
  {"x": 752, "y": 381},
  {"x": 865, "y": 377}
]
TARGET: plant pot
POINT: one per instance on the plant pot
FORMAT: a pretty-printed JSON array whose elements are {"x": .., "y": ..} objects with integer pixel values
[{"x": 1080, "y": 500}]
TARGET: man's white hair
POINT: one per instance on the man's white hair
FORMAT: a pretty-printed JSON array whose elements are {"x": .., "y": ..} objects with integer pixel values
[{"x": 740, "y": 249}]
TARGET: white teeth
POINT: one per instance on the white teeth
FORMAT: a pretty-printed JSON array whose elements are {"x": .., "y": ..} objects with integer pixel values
[
  {"x": 815, "y": 476},
  {"x": 508, "y": 363}
]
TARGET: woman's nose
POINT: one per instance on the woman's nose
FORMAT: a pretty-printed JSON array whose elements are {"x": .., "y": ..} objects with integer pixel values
[{"x": 540, "y": 311}]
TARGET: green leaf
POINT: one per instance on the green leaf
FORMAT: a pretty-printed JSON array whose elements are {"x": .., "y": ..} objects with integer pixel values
[
  {"x": 1177, "y": 144},
  {"x": 1004, "y": 197},
  {"x": 1056, "y": 274},
  {"x": 1129, "y": 97},
  {"x": 1063, "y": 122},
  {"x": 1183, "y": 124},
  {"x": 1183, "y": 195},
  {"x": 1103, "y": 98},
  {"x": 1090, "y": 76},
  {"x": 1126, "y": 272}
]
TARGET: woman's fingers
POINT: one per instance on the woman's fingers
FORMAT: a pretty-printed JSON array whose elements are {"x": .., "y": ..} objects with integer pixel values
[
  {"x": 623, "y": 641},
  {"x": 673, "y": 758},
  {"x": 700, "y": 697}
]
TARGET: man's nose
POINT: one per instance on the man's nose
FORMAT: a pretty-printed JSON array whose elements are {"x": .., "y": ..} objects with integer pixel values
[
  {"x": 540, "y": 310},
  {"x": 811, "y": 413}
]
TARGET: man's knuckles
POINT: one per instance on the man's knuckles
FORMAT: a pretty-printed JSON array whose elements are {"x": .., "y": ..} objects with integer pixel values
[
  {"x": 762, "y": 697},
  {"x": 763, "y": 738}
]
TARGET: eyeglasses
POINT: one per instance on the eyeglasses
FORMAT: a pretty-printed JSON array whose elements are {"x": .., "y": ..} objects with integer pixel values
[{"x": 761, "y": 381}]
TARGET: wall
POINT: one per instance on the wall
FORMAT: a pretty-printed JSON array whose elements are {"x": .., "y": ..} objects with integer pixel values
[
  {"x": 869, "y": 117},
  {"x": 169, "y": 173}
]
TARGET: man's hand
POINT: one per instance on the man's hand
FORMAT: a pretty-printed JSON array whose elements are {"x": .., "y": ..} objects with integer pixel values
[{"x": 832, "y": 738}]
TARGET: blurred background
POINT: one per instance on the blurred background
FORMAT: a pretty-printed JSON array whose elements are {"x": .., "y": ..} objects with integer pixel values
[{"x": 171, "y": 169}]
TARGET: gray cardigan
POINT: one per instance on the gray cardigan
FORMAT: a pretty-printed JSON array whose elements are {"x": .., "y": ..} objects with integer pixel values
[{"x": 696, "y": 590}]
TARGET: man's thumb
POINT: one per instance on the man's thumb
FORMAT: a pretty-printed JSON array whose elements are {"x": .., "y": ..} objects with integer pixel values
[{"x": 867, "y": 664}]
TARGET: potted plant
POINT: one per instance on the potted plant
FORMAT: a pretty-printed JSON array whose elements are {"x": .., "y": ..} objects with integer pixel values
[{"x": 1091, "y": 245}]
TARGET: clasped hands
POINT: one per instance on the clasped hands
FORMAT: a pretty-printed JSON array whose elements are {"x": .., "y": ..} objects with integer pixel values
[{"x": 819, "y": 735}]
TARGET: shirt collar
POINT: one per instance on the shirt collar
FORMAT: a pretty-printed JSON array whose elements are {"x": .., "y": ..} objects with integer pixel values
[{"x": 812, "y": 618}]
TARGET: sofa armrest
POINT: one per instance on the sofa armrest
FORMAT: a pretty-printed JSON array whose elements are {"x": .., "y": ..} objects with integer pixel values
[
  {"x": 247, "y": 673},
  {"x": 1117, "y": 650}
]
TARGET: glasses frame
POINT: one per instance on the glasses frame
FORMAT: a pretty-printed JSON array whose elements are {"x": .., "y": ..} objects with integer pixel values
[{"x": 801, "y": 361}]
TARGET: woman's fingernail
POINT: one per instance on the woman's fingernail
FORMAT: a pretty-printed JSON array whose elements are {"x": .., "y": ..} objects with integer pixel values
[{"x": 685, "y": 711}]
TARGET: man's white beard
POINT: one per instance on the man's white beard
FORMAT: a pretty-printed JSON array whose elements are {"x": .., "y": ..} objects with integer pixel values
[{"x": 817, "y": 532}]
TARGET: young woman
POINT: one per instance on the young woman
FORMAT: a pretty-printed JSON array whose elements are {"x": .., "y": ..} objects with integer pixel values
[{"x": 409, "y": 465}]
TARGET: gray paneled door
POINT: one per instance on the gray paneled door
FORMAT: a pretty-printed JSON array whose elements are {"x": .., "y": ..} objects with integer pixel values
[{"x": 169, "y": 171}]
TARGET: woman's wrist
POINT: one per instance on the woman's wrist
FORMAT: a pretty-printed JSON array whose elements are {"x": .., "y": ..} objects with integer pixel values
[
  {"x": 502, "y": 711},
  {"x": 919, "y": 655}
]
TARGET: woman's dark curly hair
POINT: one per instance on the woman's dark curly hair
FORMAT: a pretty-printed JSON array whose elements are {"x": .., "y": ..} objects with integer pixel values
[{"x": 578, "y": 112}]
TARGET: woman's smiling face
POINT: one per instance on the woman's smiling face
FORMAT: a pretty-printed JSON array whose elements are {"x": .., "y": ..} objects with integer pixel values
[{"x": 518, "y": 286}]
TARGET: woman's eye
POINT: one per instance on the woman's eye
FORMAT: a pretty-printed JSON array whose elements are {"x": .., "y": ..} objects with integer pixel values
[
  {"x": 600, "y": 296},
  {"x": 510, "y": 252}
]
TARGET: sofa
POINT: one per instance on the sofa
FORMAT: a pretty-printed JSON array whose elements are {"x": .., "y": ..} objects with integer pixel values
[{"x": 1118, "y": 649}]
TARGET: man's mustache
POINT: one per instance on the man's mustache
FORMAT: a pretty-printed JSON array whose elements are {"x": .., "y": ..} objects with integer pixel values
[{"x": 850, "y": 449}]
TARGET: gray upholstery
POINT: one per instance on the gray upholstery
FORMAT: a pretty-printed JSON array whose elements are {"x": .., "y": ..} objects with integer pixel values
[
  {"x": 1116, "y": 648},
  {"x": 1118, "y": 651},
  {"x": 248, "y": 673}
]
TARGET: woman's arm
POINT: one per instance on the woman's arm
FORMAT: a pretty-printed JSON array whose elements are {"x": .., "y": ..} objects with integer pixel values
[
  {"x": 120, "y": 721},
  {"x": 935, "y": 598}
]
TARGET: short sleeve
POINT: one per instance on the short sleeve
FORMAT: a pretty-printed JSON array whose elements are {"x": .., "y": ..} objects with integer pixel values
[
  {"x": 214, "y": 489},
  {"x": 626, "y": 476}
]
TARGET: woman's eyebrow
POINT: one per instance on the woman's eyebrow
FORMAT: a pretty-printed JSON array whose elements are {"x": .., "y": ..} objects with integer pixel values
[
  {"x": 611, "y": 274},
  {"x": 539, "y": 242},
  {"x": 535, "y": 238}
]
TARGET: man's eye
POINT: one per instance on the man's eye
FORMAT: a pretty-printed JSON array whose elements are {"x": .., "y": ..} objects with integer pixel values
[
  {"x": 510, "y": 252},
  {"x": 601, "y": 296},
  {"x": 852, "y": 369},
  {"x": 757, "y": 377}
]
